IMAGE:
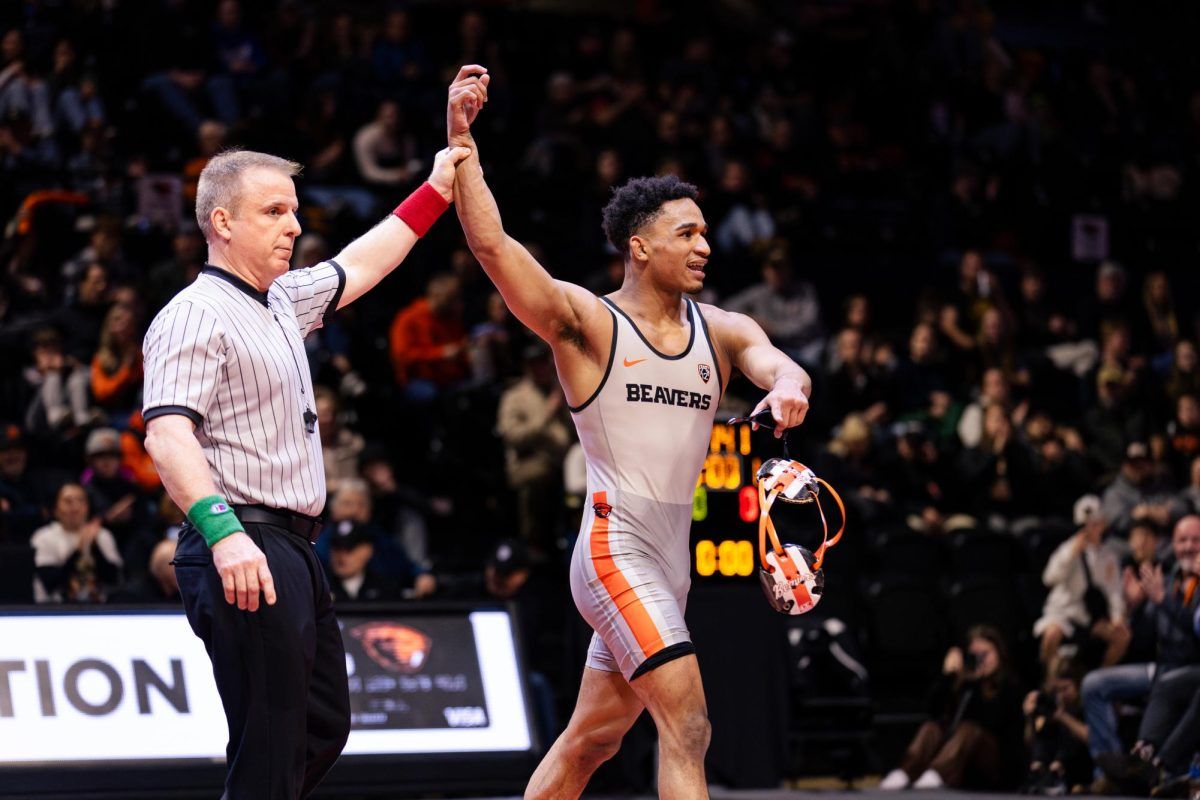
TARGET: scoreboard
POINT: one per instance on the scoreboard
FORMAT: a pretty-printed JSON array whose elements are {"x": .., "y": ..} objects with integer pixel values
[{"x": 724, "y": 540}]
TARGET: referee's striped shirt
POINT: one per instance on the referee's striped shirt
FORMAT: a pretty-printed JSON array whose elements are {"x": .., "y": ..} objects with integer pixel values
[{"x": 232, "y": 359}]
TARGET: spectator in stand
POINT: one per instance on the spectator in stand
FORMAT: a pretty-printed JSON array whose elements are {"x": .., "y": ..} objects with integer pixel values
[
  {"x": 920, "y": 376},
  {"x": 350, "y": 509},
  {"x": 1161, "y": 320},
  {"x": 853, "y": 383},
  {"x": 170, "y": 275},
  {"x": 1058, "y": 471},
  {"x": 134, "y": 457},
  {"x": 1190, "y": 496},
  {"x": 1139, "y": 492},
  {"x": 1056, "y": 734},
  {"x": 105, "y": 247},
  {"x": 112, "y": 495},
  {"x": 58, "y": 393},
  {"x": 921, "y": 482},
  {"x": 428, "y": 342},
  {"x": 25, "y": 494},
  {"x": 74, "y": 95},
  {"x": 785, "y": 306},
  {"x": 993, "y": 473},
  {"x": 850, "y": 463},
  {"x": 1110, "y": 307},
  {"x": 384, "y": 153},
  {"x": 157, "y": 583},
  {"x": 994, "y": 390},
  {"x": 1169, "y": 598},
  {"x": 75, "y": 557},
  {"x": 398, "y": 509},
  {"x": 398, "y": 58},
  {"x": 117, "y": 365},
  {"x": 1184, "y": 375},
  {"x": 340, "y": 446},
  {"x": 494, "y": 351},
  {"x": 1085, "y": 603},
  {"x": 351, "y": 577},
  {"x": 1112, "y": 422},
  {"x": 1144, "y": 538},
  {"x": 974, "y": 729},
  {"x": 532, "y": 421},
  {"x": 1182, "y": 439},
  {"x": 976, "y": 291}
]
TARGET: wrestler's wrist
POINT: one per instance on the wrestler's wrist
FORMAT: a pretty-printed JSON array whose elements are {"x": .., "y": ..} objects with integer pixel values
[
  {"x": 422, "y": 208},
  {"x": 214, "y": 519}
]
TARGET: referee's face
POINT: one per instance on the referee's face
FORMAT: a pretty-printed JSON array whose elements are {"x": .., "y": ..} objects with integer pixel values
[{"x": 264, "y": 227}]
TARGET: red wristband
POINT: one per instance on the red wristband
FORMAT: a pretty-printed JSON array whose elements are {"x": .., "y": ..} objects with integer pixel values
[{"x": 422, "y": 208}]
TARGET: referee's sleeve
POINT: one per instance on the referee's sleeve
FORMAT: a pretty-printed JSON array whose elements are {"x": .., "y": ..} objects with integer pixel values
[
  {"x": 183, "y": 351},
  {"x": 313, "y": 292}
]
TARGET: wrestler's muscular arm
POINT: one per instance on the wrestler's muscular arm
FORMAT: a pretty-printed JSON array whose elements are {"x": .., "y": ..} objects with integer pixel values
[
  {"x": 748, "y": 349},
  {"x": 568, "y": 317}
]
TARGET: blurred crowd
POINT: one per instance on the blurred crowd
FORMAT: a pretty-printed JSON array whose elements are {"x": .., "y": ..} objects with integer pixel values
[{"x": 974, "y": 226}]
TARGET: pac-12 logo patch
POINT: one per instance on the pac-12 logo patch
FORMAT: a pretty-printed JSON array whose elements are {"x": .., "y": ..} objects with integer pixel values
[{"x": 705, "y": 372}]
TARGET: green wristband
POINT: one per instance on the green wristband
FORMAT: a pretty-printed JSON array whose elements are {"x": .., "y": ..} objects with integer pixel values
[{"x": 213, "y": 517}]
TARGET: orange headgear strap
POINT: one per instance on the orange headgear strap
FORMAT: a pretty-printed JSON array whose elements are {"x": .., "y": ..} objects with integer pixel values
[{"x": 766, "y": 528}]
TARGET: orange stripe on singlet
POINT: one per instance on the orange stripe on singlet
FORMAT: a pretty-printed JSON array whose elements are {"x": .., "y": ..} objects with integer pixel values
[{"x": 618, "y": 588}]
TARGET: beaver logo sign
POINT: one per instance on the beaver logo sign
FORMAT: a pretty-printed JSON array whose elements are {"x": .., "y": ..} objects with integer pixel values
[{"x": 396, "y": 648}]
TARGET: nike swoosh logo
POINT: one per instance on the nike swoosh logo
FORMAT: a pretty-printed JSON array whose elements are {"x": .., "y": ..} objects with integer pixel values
[{"x": 629, "y": 363}]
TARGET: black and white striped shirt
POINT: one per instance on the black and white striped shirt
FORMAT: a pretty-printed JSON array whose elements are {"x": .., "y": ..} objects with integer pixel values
[{"x": 232, "y": 359}]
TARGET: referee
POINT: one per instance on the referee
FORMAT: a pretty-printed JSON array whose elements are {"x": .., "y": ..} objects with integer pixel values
[{"x": 232, "y": 429}]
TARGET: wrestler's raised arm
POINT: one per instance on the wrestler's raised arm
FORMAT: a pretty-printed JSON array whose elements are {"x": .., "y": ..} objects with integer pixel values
[{"x": 555, "y": 310}]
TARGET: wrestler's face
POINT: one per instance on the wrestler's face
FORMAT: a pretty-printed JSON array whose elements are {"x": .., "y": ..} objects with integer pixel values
[
  {"x": 673, "y": 247},
  {"x": 264, "y": 226}
]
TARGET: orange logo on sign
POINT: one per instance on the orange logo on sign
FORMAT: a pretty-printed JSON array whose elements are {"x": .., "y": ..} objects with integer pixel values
[{"x": 396, "y": 648}]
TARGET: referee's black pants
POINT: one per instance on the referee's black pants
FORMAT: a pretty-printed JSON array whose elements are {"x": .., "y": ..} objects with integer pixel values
[{"x": 280, "y": 671}]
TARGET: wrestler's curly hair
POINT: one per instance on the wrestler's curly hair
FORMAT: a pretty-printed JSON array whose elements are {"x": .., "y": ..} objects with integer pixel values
[{"x": 638, "y": 202}]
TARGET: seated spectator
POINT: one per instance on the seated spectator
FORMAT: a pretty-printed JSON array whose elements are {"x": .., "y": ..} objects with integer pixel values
[
  {"x": 1139, "y": 493},
  {"x": 920, "y": 376},
  {"x": 24, "y": 493},
  {"x": 850, "y": 464},
  {"x": 428, "y": 342},
  {"x": 1184, "y": 375},
  {"x": 398, "y": 509},
  {"x": 991, "y": 471},
  {"x": 1112, "y": 422},
  {"x": 495, "y": 345},
  {"x": 350, "y": 509},
  {"x": 76, "y": 560},
  {"x": 1182, "y": 440},
  {"x": 1085, "y": 601},
  {"x": 532, "y": 421},
  {"x": 994, "y": 390},
  {"x": 112, "y": 495},
  {"x": 117, "y": 365},
  {"x": 1144, "y": 539},
  {"x": 60, "y": 393},
  {"x": 1058, "y": 467},
  {"x": 853, "y": 383},
  {"x": 340, "y": 447},
  {"x": 157, "y": 584},
  {"x": 1169, "y": 599},
  {"x": 384, "y": 153},
  {"x": 974, "y": 730},
  {"x": 1056, "y": 734},
  {"x": 785, "y": 306},
  {"x": 921, "y": 480},
  {"x": 351, "y": 577},
  {"x": 1190, "y": 496}
]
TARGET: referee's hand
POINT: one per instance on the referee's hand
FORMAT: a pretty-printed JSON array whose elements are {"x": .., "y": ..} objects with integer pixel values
[{"x": 244, "y": 572}]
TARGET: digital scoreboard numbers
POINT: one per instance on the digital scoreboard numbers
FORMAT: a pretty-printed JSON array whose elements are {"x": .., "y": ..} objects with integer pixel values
[{"x": 725, "y": 507}]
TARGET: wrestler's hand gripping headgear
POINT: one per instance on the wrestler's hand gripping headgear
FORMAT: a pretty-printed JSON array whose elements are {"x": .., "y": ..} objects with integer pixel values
[{"x": 791, "y": 575}]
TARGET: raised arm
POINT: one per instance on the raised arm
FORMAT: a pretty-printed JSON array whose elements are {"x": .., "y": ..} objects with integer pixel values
[
  {"x": 370, "y": 257},
  {"x": 552, "y": 309},
  {"x": 749, "y": 350}
]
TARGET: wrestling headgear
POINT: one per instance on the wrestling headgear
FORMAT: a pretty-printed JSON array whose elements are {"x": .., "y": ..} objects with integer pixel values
[{"x": 791, "y": 575}]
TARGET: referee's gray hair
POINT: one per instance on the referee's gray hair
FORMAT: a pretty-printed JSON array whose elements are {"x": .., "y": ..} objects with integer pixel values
[{"x": 221, "y": 181}]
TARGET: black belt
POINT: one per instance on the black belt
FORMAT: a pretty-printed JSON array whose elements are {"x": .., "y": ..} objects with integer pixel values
[{"x": 299, "y": 524}]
